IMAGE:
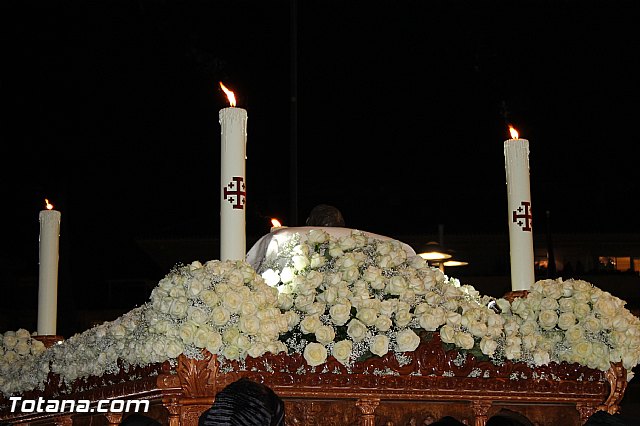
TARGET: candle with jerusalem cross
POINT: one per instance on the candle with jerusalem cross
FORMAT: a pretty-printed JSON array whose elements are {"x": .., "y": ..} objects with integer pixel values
[
  {"x": 48, "y": 279},
  {"x": 516, "y": 155},
  {"x": 233, "y": 123}
]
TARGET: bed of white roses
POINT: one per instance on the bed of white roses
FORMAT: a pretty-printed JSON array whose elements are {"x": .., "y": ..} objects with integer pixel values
[{"x": 350, "y": 298}]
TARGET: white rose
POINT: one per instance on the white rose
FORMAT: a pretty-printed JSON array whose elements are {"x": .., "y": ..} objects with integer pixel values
[
  {"x": 541, "y": 357},
  {"x": 271, "y": 277},
  {"x": 257, "y": 349},
  {"x": 529, "y": 342},
  {"x": 383, "y": 323},
  {"x": 220, "y": 316},
  {"x": 464, "y": 340},
  {"x": 293, "y": 319},
  {"x": 187, "y": 332},
  {"x": 488, "y": 346},
  {"x": 317, "y": 236},
  {"x": 574, "y": 334},
  {"x": 231, "y": 352},
  {"x": 340, "y": 313},
  {"x": 379, "y": 345},
  {"x": 342, "y": 351},
  {"x": 368, "y": 316},
  {"x": 303, "y": 302},
  {"x": 477, "y": 328},
  {"x": 269, "y": 329},
  {"x": 548, "y": 319},
  {"x": 447, "y": 334},
  {"x": 566, "y": 320},
  {"x": 402, "y": 318},
  {"x": 317, "y": 261},
  {"x": 528, "y": 328},
  {"x": 285, "y": 301},
  {"x": 325, "y": 334},
  {"x": 287, "y": 275},
  {"x": 22, "y": 333},
  {"x": 233, "y": 301},
  {"x": 566, "y": 304},
  {"x": 356, "y": 330},
  {"x": 300, "y": 262},
  {"x": 179, "y": 307},
  {"x": 431, "y": 322},
  {"x": 310, "y": 324},
  {"x": 591, "y": 324},
  {"x": 315, "y": 354},
  {"x": 249, "y": 324},
  {"x": 118, "y": 331},
  {"x": 581, "y": 310},
  {"x": 513, "y": 352},
  {"x": 194, "y": 288},
  {"x": 397, "y": 285},
  {"x": 504, "y": 306},
  {"x": 22, "y": 347},
  {"x": 9, "y": 341},
  {"x": 620, "y": 323},
  {"x": 407, "y": 341},
  {"x": 582, "y": 349},
  {"x": 197, "y": 315}
]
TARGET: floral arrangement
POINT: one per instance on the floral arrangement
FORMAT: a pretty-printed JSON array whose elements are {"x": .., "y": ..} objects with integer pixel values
[{"x": 351, "y": 298}]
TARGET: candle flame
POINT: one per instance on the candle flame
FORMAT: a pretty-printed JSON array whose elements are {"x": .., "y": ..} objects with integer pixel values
[
  {"x": 276, "y": 223},
  {"x": 514, "y": 132},
  {"x": 48, "y": 204},
  {"x": 230, "y": 95}
]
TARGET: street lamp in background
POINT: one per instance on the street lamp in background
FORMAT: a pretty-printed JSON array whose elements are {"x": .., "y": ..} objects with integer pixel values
[{"x": 437, "y": 255}]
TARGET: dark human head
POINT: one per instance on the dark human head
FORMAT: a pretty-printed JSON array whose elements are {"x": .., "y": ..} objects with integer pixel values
[
  {"x": 325, "y": 215},
  {"x": 508, "y": 418},
  {"x": 244, "y": 403}
]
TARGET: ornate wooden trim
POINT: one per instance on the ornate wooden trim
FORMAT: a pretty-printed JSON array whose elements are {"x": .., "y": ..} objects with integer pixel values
[
  {"x": 113, "y": 419},
  {"x": 198, "y": 377},
  {"x": 617, "y": 377},
  {"x": 480, "y": 410},
  {"x": 368, "y": 407}
]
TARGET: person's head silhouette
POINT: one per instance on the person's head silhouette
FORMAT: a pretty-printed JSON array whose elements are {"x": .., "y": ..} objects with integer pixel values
[
  {"x": 325, "y": 215},
  {"x": 244, "y": 403}
]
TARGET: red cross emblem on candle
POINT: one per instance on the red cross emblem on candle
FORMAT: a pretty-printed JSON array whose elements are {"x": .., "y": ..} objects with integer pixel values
[
  {"x": 522, "y": 216},
  {"x": 236, "y": 196}
]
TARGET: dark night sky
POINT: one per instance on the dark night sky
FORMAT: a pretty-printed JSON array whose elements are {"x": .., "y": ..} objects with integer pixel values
[{"x": 110, "y": 110}]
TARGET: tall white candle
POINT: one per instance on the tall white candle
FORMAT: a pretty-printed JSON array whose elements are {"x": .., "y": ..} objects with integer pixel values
[
  {"x": 48, "y": 279},
  {"x": 233, "y": 124},
  {"x": 516, "y": 155}
]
